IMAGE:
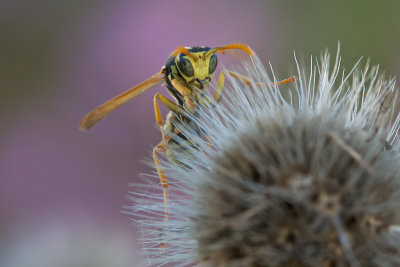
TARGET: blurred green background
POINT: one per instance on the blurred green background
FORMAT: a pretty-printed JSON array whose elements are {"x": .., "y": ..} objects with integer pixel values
[{"x": 60, "y": 59}]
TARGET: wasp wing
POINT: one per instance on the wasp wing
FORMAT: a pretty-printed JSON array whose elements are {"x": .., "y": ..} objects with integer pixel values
[{"x": 101, "y": 111}]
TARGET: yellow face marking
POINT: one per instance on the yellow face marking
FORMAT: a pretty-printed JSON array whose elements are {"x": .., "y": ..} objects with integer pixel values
[{"x": 200, "y": 62}]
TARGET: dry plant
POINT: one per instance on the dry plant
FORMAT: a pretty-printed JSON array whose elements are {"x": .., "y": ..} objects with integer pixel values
[{"x": 305, "y": 174}]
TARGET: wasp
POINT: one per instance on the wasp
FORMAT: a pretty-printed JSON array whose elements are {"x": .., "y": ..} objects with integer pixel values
[{"x": 187, "y": 74}]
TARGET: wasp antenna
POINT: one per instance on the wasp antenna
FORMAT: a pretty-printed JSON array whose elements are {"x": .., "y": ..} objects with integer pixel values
[
  {"x": 181, "y": 49},
  {"x": 245, "y": 48}
]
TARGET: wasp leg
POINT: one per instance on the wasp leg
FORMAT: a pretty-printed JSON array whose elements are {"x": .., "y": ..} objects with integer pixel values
[
  {"x": 183, "y": 90},
  {"x": 162, "y": 148},
  {"x": 171, "y": 106},
  {"x": 285, "y": 81},
  {"x": 220, "y": 87},
  {"x": 221, "y": 81},
  {"x": 163, "y": 179},
  {"x": 249, "y": 82}
]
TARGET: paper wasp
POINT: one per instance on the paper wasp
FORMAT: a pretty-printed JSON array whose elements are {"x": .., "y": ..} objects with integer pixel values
[{"x": 187, "y": 73}]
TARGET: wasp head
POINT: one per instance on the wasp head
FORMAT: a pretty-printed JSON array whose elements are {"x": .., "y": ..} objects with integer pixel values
[{"x": 197, "y": 66}]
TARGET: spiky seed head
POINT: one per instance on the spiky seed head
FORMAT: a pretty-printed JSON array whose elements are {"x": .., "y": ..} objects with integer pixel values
[{"x": 309, "y": 179}]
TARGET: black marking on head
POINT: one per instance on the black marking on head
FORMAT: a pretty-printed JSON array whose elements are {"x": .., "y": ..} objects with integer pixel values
[{"x": 196, "y": 49}]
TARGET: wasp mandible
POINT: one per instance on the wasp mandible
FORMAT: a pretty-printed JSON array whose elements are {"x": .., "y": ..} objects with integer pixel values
[{"x": 187, "y": 73}]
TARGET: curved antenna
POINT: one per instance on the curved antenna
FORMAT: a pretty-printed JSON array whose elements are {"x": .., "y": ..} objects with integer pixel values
[
  {"x": 181, "y": 49},
  {"x": 221, "y": 49}
]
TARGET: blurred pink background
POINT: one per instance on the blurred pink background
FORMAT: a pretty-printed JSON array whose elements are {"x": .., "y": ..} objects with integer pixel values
[{"x": 60, "y": 59}]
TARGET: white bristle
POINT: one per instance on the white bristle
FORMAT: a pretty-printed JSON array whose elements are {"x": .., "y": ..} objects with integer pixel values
[{"x": 302, "y": 174}]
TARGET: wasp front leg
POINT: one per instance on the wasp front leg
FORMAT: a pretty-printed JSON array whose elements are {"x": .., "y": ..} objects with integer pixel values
[
  {"x": 162, "y": 147},
  {"x": 171, "y": 106},
  {"x": 221, "y": 80},
  {"x": 183, "y": 90}
]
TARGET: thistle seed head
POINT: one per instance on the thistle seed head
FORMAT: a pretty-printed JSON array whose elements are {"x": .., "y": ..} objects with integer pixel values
[{"x": 305, "y": 174}]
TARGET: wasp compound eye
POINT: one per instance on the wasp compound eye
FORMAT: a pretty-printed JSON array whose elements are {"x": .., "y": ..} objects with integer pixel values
[
  {"x": 185, "y": 66},
  {"x": 213, "y": 63}
]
